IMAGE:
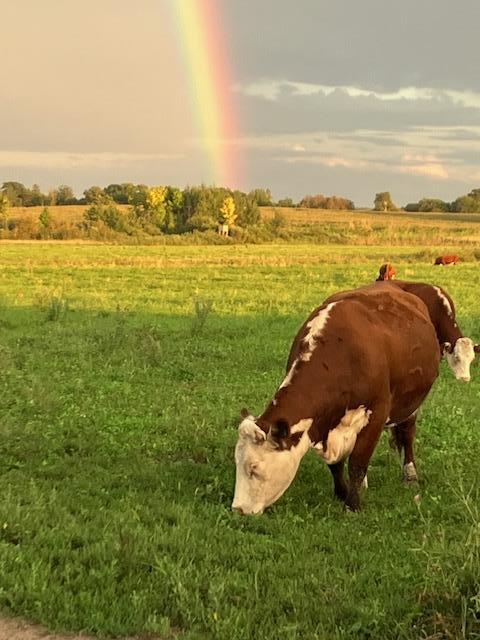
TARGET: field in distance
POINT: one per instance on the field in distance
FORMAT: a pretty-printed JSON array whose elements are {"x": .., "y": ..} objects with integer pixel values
[
  {"x": 123, "y": 371},
  {"x": 367, "y": 228}
]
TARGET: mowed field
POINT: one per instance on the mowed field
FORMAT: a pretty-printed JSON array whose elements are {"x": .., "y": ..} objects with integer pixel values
[{"x": 122, "y": 374}]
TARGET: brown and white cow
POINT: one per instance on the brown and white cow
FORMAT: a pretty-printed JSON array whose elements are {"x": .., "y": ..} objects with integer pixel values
[
  {"x": 447, "y": 260},
  {"x": 366, "y": 358},
  {"x": 458, "y": 349},
  {"x": 387, "y": 272}
]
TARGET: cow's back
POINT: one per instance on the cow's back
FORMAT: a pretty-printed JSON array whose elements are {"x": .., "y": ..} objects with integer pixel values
[{"x": 378, "y": 341}]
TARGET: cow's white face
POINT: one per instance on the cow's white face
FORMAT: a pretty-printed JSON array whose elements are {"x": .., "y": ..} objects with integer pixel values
[
  {"x": 460, "y": 358},
  {"x": 264, "y": 472}
]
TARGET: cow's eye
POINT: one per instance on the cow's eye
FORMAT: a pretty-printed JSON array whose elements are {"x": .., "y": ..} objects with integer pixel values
[{"x": 253, "y": 471}]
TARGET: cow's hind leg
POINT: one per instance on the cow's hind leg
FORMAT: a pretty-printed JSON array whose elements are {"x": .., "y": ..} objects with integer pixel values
[
  {"x": 340, "y": 488},
  {"x": 360, "y": 457},
  {"x": 403, "y": 436}
]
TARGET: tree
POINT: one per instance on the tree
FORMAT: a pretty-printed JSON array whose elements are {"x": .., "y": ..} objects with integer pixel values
[
  {"x": 37, "y": 198},
  {"x": 285, "y": 202},
  {"x": 15, "y": 192},
  {"x": 475, "y": 193},
  {"x": 173, "y": 208},
  {"x": 466, "y": 204},
  {"x": 383, "y": 202},
  {"x": 120, "y": 193},
  {"x": 227, "y": 211},
  {"x": 65, "y": 195},
  {"x": 432, "y": 204},
  {"x": 45, "y": 222},
  {"x": 263, "y": 197},
  {"x": 94, "y": 194}
]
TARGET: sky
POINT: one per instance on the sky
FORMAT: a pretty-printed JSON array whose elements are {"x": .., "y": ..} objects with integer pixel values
[{"x": 350, "y": 97}]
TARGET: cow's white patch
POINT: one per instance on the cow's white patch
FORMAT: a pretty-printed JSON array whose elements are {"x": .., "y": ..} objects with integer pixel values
[
  {"x": 302, "y": 425},
  {"x": 342, "y": 438},
  {"x": 461, "y": 358},
  {"x": 263, "y": 472},
  {"x": 365, "y": 482},
  {"x": 289, "y": 376},
  {"x": 444, "y": 301},
  {"x": 315, "y": 328}
]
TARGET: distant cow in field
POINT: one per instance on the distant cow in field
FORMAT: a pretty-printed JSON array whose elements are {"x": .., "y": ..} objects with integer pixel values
[
  {"x": 459, "y": 350},
  {"x": 362, "y": 359},
  {"x": 387, "y": 272},
  {"x": 446, "y": 260}
]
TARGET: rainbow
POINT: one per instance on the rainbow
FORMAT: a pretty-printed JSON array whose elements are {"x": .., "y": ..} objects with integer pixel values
[{"x": 200, "y": 31}]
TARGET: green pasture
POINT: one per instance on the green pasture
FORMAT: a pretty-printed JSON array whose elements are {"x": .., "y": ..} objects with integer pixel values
[{"x": 122, "y": 374}]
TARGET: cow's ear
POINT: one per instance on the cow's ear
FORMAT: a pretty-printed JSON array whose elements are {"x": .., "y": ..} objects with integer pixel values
[
  {"x": 476, "y": 348},
  {"x": 245, "y": 413},
  {"x": 446, "y": 348},
  {"x": 280, "y": 430}
]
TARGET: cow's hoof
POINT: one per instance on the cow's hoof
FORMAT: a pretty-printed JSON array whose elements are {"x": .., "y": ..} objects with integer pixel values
[
  {"x": 353, "y": 503},
  {"x": 410, "y": 473}
]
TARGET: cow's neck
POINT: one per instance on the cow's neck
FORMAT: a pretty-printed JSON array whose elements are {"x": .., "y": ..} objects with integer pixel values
[
  {"x": 448, "y": 330},
  {"x": 316, "y": 412}
]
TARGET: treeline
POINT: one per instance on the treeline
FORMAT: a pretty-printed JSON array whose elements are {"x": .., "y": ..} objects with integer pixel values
[
  {"x": 18, "y": 195},
  {"x": 469, "y": 203},
  {"x": 326, "y": 202}
]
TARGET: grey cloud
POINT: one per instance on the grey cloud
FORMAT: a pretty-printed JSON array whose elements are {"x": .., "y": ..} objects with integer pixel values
[
  {"x": 381, "y": 45},
  {"x": 342, "y": 113}
]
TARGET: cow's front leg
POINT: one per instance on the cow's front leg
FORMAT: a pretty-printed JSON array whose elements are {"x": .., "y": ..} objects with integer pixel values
[
  {"x": 340, "y": 488},
  {"x": 360, "y": 457}
]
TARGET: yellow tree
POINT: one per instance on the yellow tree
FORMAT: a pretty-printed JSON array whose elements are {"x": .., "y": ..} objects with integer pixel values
[
  {"x": 227, "y": 210},
  {"x": 155, "y": 205}
]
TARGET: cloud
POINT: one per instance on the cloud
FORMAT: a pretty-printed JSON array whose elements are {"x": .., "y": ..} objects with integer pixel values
[
  {"x": 273, "y": 90},
  {"x": 432, "y": 153},
  {"x": 65, "y": 160},
  {"x": 430, "y": 170}
]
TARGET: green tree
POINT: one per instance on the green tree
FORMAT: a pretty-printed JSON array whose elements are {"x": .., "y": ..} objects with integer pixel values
[
  {"x": 285, "y": 202},
  {"x": 432, "y": 204},
  {"x": 466, "y": 204},
  {"x": 120, "y": 193},
  {"x": 37, "y": 198},
  {"x": 173, "y": 208},
  {"x": 65, "y": 195},
  {"x": 16, "y": 193},
  {"x": 383, "y": 202},
  {"x": 95, "y": 194},
  {"x": 45, "y": 222},
  {"x": 263, "y": 197}
]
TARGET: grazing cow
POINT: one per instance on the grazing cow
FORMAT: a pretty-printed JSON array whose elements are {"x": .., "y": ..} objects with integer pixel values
[
  {"x": 459, "y": 350},
  {"x": 366, "y": 358},
  {"x": 387, "y": 272},
  {"x": 446, "y": 260}
]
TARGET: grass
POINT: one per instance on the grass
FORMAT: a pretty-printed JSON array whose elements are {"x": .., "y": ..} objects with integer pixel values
[{"x": 117, "y": 430}]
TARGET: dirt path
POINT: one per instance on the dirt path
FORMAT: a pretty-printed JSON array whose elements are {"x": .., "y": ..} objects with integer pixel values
[
  {"x": 15, "y": 630},
  {"x": 11, "y": 629}
]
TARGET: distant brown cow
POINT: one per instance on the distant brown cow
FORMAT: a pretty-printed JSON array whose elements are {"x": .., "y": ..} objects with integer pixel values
[
  {"x": 446, "y": 260},
  {"x": 387, "y": 272}
]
